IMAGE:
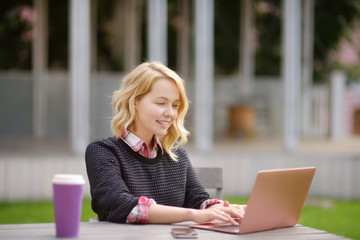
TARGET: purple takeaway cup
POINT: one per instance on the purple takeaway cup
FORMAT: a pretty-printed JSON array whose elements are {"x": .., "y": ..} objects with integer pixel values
[{"x": 68, "y": 196}]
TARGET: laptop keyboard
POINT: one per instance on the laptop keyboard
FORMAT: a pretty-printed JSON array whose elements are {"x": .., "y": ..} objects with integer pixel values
[{"x": 227, "y": 227}]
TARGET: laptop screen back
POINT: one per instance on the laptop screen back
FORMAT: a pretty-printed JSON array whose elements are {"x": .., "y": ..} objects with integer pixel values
[{"x": 277, "y": 199}]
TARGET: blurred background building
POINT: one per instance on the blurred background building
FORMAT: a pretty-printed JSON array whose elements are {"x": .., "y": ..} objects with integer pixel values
[{"x": 265, "y": 72}]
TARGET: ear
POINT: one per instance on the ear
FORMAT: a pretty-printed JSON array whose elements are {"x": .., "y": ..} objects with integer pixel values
[{"x": 136, "y": 103}]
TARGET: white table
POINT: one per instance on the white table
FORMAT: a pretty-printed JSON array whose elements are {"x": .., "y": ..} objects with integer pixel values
[{"x": 107, "y": 230}]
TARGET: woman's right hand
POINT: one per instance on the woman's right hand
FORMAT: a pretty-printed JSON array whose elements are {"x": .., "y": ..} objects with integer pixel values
[{"x": 222, "y": 212}]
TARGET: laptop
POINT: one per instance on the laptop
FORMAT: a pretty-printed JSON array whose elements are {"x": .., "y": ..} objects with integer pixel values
[{"x": 276, "y": 201}]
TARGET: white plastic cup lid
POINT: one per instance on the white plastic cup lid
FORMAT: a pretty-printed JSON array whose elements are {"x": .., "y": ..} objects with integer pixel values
[{"x": 68, "y": 179}]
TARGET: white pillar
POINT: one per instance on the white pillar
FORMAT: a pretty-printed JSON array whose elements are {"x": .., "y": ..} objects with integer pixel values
[
  {"x": 204, "y": 73},
  {"x": 291, "y": 72},
  {"x": 132, "y": 35},
  {"x": 246, "y": 48},
  {"x": 307, "y": 68},
  {"x": 80, "y": 73},
  {"x": 40, "y": 67},
  {"x": 93, "y": 34},
  {"x": 120, "y": 22},
  {"x": 157, "y": 30},
  {"x": 183, "y": 39},
  {"x": 338, "y": 81}
]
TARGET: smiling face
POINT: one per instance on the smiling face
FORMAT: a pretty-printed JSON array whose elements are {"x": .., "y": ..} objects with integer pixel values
[{"x": 156, "y": 110}]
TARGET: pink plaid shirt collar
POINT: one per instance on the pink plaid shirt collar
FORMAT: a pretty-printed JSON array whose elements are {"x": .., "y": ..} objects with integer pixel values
[{"x": 139, "y": 145}]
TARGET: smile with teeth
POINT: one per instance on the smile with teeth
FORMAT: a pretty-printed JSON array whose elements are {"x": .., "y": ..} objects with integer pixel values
[{"x": 164, "y": 123}]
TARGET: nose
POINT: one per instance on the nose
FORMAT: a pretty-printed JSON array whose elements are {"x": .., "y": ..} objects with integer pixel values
[{"x": 170, "y": 112}]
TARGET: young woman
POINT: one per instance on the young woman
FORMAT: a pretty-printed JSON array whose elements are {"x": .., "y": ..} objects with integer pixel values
[{"x": 142, "y": 174}]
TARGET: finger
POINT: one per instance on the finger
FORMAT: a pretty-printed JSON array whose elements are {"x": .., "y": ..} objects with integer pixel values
[
  {"x": 238, "y": 220},
  {"x": 226, "y": 204},
  {"x": 240, "y": 209},
  {"x": 233, "y": 212},
  {"x": 232, "y": 220},
  {"x": 221, "y": 215}
]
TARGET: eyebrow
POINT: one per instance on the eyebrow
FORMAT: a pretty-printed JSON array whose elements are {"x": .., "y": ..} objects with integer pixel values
[{"x": 165, "y": 98}]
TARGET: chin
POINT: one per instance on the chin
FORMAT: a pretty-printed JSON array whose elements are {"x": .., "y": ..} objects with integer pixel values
[{"x": 161, "y": 133}]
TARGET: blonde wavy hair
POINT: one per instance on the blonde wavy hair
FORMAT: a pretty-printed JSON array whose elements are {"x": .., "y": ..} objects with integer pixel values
[{"x": 135, "y": 85}]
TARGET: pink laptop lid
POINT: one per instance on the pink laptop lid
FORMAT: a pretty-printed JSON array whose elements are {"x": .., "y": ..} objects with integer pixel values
[{"x": 277, "y": 199}]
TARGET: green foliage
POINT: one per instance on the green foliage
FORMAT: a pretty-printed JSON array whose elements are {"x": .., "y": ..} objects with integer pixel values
[
  {"x": 226, "y": 36},
  {"x": 37, "y": 212},
  {"x": 341, "y": 217},
  {"x": 332, "y": 17},
  {"x": 268, "y": 26},
  {"x": 108, "y": 59},
  {"x": 58, "y": 34},
  {"x": 15, "y": 44}
]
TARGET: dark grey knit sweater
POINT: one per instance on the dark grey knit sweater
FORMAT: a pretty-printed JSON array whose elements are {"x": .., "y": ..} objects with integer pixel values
[{"x": 118, "y": 176}]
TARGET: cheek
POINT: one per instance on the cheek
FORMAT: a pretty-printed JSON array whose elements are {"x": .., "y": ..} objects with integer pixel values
[
  {"x": 176, "y": 115},
  {"x": 152, "y": 113}
]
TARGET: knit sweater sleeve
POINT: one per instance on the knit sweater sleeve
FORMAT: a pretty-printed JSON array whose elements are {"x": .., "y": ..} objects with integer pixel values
[
  {"x": 195, "y": 193},
  {"x": 111, "y": 198}
]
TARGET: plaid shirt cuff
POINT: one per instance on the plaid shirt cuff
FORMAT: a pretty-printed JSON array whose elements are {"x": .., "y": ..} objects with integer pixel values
[
  {"x": 211, "y": 202},
  {"x": 140, "y": 212}
]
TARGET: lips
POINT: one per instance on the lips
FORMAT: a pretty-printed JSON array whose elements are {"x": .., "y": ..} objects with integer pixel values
[{"x": 164, "y": 124}]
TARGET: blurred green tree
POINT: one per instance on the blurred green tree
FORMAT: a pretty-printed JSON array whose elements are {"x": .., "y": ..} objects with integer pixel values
[
  {"x": 332, "y": 18},
  {"x": 15, "y": 34}
]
